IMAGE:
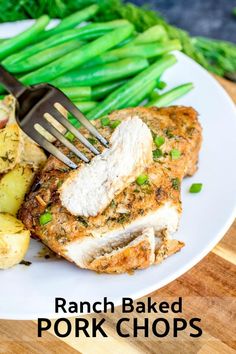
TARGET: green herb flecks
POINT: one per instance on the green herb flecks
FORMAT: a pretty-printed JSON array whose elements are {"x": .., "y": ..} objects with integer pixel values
[
  {"x": 168, "y": 133},
  {"x": 157, "y": 154},
  {"x": 92, "y": 141},
  {"x": 114, "y": 124},
  {"x": 123, "y": 218},
  {"x": 83, "y": 221},
  {"x": 175, "y": 183}
]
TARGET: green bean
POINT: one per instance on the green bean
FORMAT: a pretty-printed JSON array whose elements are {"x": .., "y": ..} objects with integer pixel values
[
  {"x": 78, "y": 56},
  {"x": 84, "y": 33},
  {"x": 95, "y": 30},
  {"x": 46, "y": 56},
  {"x": 11, "y": 45},
  {"x": 168, "y": 97},
  {"x": 101, "y": 74},
  {"x": 152, "y": 34},
  {"x": 77, "y": 93},
  {"x": 144, "y": 50},
  {"x": 71, "y": 21},
  {"x": 124, "y": 94},
  {"x": 141, "y": 95},
  {"x": 84, "y": 107},
  {"x": 101, "y": 91},
  {"x": 126, "y": 41}
]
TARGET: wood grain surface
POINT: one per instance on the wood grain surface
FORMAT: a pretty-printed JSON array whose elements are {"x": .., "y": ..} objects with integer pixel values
[{"x": 208, "y": 291}]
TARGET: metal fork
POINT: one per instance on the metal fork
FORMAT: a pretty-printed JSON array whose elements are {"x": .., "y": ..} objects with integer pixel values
[{"x": 33, "y": 102}]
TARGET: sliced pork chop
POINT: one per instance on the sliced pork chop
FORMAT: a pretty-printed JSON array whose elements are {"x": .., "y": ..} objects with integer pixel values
[
  {"x": 91, "y": 188},
  {"x": 104, "y": 242},
  {"x": 139, "y": 253}
]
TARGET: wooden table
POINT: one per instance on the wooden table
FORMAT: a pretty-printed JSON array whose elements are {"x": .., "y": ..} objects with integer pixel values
[{"x": 208, "y": 292}]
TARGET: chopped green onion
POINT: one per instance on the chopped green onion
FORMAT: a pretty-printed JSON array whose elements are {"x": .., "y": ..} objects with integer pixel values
[
  {"x": 105, "y": 121},
  {"x": 45, "y": 218},
  {"x": 115, "y": 123},
  {"x": 159, "y": 140},
  {"x": 195, "y": 188},
  {"x": 157, "y": 154},
  {"x": 141, "y": 179},
  {"x": 175, "y": 154},
  {"x": 69, "y": 136}
]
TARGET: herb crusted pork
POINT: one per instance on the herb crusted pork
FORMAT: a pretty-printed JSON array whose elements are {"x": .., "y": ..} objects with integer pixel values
[
  {"x": 89, "y": 189},
  {"x": 135, "y": 230}
]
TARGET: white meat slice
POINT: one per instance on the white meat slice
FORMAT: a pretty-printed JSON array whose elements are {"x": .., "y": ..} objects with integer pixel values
[
  {"x": 82, "y": 251},
  {"x": 91, "y": 188}
]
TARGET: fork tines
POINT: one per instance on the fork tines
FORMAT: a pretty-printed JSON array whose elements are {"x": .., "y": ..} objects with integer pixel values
[{"x": 59, "y": 98}]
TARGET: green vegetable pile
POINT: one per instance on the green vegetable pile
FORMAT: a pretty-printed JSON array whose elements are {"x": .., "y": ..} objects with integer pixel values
[
  {"x": 216, "y": 56},
  {"x": 100, "y": 66}
]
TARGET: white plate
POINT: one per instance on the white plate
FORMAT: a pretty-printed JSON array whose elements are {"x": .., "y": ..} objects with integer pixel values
[{"x": 29, "y": 292}]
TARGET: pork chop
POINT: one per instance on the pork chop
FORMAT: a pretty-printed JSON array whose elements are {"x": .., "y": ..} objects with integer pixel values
[
  {"x": 90, "y": 189},
  {"x": 115, "y": 240}
]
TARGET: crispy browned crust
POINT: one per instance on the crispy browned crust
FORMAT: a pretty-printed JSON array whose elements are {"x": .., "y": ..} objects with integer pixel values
[
  {"x": 127, "y": 260},
  {"x": 181, "y": 129},
  {"x": 167, "y": 248}
]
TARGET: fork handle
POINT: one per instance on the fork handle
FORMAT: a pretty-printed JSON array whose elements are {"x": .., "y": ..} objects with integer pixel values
[{"x": 11, "y": 84}]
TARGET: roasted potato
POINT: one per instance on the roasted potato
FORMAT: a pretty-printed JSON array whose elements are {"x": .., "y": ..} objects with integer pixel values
[
  {"x": 14, "y": 241},
  {"x": 11, "y": 147},
  {"x": 13, "y": 187}
]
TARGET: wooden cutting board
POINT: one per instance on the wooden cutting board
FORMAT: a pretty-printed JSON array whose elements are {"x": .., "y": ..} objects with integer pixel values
[{"x": 208, "y": 291}]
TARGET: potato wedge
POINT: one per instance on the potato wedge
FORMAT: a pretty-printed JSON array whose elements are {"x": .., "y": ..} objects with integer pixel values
[
  {"x": 11, "y": 146},
  {"x": 13, "y": 187},
  {"x": 10, "y": 104},
  {"x": 14, "y": 241}
]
